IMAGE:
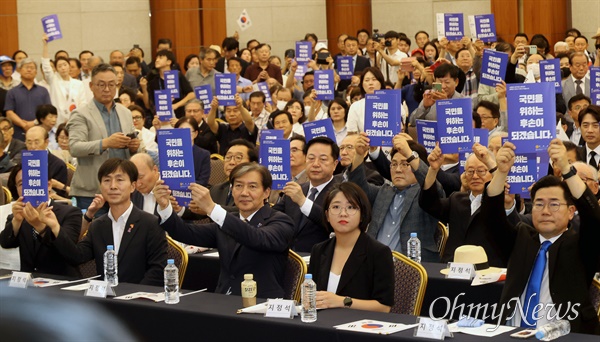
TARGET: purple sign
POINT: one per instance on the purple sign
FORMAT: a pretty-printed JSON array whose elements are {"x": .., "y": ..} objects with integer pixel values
[
  {"x": 225, "y": 89},
  {"x": 52, "y": 27},
  {"x": 426, "y": 134},
  {"x": 455, "y": 125},
  {"x": 550, "y": 72},
  {"x": 324, "y": 84},
  {"x": 204, "y": 94},
  {"x": 303, "y": 52},
  {"x": 345, "y": 67},
  {"x": 493, "y": 67}
]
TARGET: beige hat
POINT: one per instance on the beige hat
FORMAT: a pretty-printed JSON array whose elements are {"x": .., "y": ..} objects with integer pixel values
[
  {"x": 216, "y": 48},
  {"x": 469, "y": 254},
  {"x": 597, "y": 35}
]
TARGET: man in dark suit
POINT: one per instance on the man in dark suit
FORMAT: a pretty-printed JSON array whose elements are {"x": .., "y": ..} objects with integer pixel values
[
  {"x": 26, "y": 229},
  {"x": 589, "y": 120},
  {"x": 230, "y": 48},
  {"x": 138, "y": 240},
  {"x": 360, "y": 63},
  {"x": 577, "y": 104},
  {"x": 396, "y": 210},
  {"x": 461, "y": 210},
  {"x": 254, "y": 241},
  {"x": 550, "y": 265},
  {"x": 347, "y": 155},
  {"x": 15, "y": 146},
  {"x": 303, "y": 203}
]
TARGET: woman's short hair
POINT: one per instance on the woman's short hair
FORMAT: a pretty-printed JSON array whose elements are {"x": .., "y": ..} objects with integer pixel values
[
  {"x": 356, "y": 196},
  {"x": 378, "y": 75}
]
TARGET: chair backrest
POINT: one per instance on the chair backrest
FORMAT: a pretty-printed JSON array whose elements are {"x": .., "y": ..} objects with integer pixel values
[
  {"x": 88, "y": 269},
  {"x": 217, "y": 174},
  {"x": 70, "y": 172},
  {"x": 410, "y": 284},
  {"x": 295, "y": 270},
  {"x": 177, "y": 253},
  {"x": 441, "y": 236},
  {"x": 595, "y": 296},
  {"x": 5, "y": 196}
]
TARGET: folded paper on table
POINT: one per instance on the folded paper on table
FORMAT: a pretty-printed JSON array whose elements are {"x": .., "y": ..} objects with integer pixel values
[
  {"x": 261, "y": 309},
  {"x": 486, "y": 330},
  {"x": 156, "y": 297},
  {"x": 374, "y": 327}
]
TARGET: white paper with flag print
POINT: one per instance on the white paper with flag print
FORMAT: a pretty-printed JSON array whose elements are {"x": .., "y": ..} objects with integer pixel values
[{"x": 244, "y": 21}]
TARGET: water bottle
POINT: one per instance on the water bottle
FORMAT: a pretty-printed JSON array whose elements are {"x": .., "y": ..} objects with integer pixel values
[
  {"x": 248, "y": 290},
  {"x": 111, "y": 265},
  {"x": 553, "y": 330},
  {"x": 309, "y": 300},
  {"x": 171, "y": 283},
  {"x": 414, "y": 248}
]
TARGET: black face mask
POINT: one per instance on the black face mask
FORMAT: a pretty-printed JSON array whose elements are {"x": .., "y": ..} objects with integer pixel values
[{"x": 565, "y": 72}]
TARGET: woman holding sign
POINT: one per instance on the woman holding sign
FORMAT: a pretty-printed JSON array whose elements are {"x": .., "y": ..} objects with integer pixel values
[
  {"x": 370, "y": 81},
  {"x": 66, "y": 93},
  {"x": 351, "y": 270},
  {"x": 201, "y": 156}
]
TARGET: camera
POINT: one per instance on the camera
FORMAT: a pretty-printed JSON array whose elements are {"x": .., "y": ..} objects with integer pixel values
[
  {"x": 322, "y": 58},
  {"x": 388, "y": 43},
  {"x": 132, "y": 135},
  {"x": 376, "y": 35}
]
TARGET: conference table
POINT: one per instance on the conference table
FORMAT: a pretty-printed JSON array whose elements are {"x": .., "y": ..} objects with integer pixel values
[
  {"x": 212, "y": 317},
  {"x": 203, "y": 272}
]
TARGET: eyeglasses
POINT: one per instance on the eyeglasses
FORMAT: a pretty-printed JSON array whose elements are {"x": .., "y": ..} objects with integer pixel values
[
  {"x": 403, "y": 166},
  {"x": 193, "y": 110},
  {"x": 5, "y": 129},
  {"x": 486, "y": 117},
  {"x": 111, "y": 86},
  {"x": 480, "y": 172},
  {"x": 63, "y": 137},
  {"x": 295, "y": 150},
  {"x": 594, "y": 125},
  {"x": 337, "y": 209},
  {"x": 553, "y": 206},
  {"x": 237, "y": 157},
  {"x": 586, "y": 179},
  {"x": 136, "y": 118},
  {"x": 347, "y": 147}
]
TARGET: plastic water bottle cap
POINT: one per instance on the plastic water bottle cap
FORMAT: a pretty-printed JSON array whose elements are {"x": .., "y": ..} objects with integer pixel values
[
  {"x": 308, "y": 276},
  {"x": 540, "y": 335},
  {"x": 248, "y": 276},
  {"x": 413, "y": 235},
  {"x": 170, "y": 262},
  {"x": 110, "y": 247}
]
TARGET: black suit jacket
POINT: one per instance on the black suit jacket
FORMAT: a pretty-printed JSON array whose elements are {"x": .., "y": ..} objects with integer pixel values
[
  {"x": 41, "y": 255},
  {"x": 221, "y": 196},
  {"x": 206, "y": 138},
  {"x": 142, "y": 255},
  {"x": 57, "y": 169},
  {"x": 361, "y": 64},
  {"x": 368, "y": 273},
  {"x": 259, "y": 247},
  {"x": 572, "y": 260},
  {"x": 309, "y": 230},
  {"x": 220, "y": 66}
]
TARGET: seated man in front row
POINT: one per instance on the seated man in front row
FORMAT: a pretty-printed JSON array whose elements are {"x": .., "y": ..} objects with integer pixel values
[
  {"x": 551, "y": 267},
  {"x": 255, "y": 241},
  {"x": 140, "y": 244}
]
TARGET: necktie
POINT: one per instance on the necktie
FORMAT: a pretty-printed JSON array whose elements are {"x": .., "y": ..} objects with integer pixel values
[
  {"x": 578, "y": 89},
  {"x": 532, "y": 294},
  {"x": 593, "y": 162},
  {"x": 313, "y": 194}
]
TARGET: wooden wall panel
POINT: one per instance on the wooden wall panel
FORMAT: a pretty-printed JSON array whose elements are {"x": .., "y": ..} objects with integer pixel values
[
  {"x": 506, "y": 14},
  {"x": 346, "y": 16},
  {"x": 9, "y": 27},
  {"x": 548, "y": 17},
  {"x": 214, "y": 25}
]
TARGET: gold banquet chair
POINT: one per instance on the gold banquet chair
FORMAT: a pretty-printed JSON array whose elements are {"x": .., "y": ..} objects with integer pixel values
[
  {"x": 295, "y": 270},
  {"x": 217, "y": 174},
  {"x": 7, "y": 195},
  {"x": 70, "y": 172},
  {"x": 441, "y": 236},
  {"x": 409, "y": 287},
  {"x": 595, "y": 296},
  {"x": 177, "y": 253}
]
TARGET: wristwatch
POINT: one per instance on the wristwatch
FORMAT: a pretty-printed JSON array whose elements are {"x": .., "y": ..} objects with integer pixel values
[
  {"x": 347, "y": 302},
  {"x": 572, "y": 172},
  {"x": 414, "y": 156}
]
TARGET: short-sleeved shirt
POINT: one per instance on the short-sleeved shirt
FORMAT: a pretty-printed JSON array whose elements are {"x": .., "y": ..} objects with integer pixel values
[
  {"x": 158, "y": 83},
  {"x": 24, "y": 102},
  {"x": 196, "y": 79},
  {"x": 225, "y": 135},
  {"x": 255, "y": 69}
]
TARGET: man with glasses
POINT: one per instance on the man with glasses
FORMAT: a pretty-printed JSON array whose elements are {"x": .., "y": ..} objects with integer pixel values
[
  {"x": 97, "y": 132},
  {"x": 489, "y": 113},
  {"x": 297, "y": 164},
  {"x": 396, "y": 211},
  {"x": 206, "y": 139},
  {"x": 303, "y": 203},
  {"x": 578, "y": 82},
  {"x": 22, "y": 100},
  {"x": 551, "y": 267},
  {"x": 347, "y": 155},
  {"x": 12, "y": 147},
  {"x": 462, "y": 210}
]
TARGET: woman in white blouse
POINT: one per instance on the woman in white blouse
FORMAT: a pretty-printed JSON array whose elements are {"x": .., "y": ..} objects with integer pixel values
[
  {"x": 370, "y": 81},
  {"x": 66, "y": 93}
]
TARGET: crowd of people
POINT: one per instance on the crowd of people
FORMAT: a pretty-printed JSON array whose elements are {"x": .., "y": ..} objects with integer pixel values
[{"x": 349, "y": 204}]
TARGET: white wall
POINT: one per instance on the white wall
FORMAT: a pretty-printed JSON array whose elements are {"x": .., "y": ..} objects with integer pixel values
[
  {"x": 98, "y": 26},
  {"x": 278, "y": 22},
  {"x": 585, "y": 16}
]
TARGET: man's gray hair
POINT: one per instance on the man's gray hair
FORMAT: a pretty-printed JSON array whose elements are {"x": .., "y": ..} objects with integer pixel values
[
  {"x": 103, "y": 67},
  {"x": 561, "y": 44},
  {"x": 205, "y": 51},
  {"x": 27, "y": 61},
  {"x": 195, "y": 101}
]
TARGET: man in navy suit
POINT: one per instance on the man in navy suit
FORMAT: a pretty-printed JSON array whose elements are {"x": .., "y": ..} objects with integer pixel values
[
  {"x": 140, "y": 244},
  {"x": 303, "y": 203},
  {"x": 360, "y": 62},
  {"x": 254, "y": 241}
]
